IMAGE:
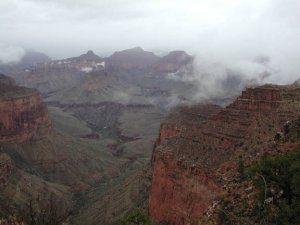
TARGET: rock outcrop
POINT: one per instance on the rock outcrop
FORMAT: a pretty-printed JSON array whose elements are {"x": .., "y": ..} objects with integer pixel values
[
  {"x": 131, "y": 59},
  {"x": 172, "y": 62},
  {"x": 23, "y": 115},
  {"x": 192, "y": 163},
  {"x": 185, "y": 117}
]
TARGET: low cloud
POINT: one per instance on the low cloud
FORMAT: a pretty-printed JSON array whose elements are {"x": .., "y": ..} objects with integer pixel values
[
  {"x": 122, "y": 97},
  {"x": 10, "y": 54},
  {"x": 227, "y": 37},
  {"x": 217, "y": 79}
]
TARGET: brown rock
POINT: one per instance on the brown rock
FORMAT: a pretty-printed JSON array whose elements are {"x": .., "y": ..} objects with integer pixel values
[
  {"x": 195, "y": 158},
  {"x": 172, "y": 62},
  {"x": 23, "y": 115}
]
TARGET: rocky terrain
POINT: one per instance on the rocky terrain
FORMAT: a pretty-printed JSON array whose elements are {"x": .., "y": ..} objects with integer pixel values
[
  {"x": 172, "y": 62},
  {"x": 23, "y": 115},
  {"x": 91, "y": 141},
  {"x": 38, "y": 159},
  {"x": 96, "y": 139},
  {"x": 193, "y": 162},
  {"x": 135, "y": 59}
]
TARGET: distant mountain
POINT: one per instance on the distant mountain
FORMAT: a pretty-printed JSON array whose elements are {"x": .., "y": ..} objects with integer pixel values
[
  {"x": 90, "y": 56},
  {"x": 30, "y": 59},
  {"x": 172, "y": 62},
  {"x": 55, "y": 75},
  {"x": 131, "y": 59}
]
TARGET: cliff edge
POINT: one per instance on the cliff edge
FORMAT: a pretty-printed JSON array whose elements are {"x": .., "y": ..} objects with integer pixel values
[
  {"x": 23, "y": 115},
  {"x": 193, "y": 161}
]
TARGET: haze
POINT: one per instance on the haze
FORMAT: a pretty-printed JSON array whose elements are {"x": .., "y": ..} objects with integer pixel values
[{"x": 230, "y": 32}]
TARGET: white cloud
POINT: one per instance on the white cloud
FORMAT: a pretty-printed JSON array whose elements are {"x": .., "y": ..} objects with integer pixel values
[
  {"x": 10, "y": 54},
  {"x": 229, "y": 31}
]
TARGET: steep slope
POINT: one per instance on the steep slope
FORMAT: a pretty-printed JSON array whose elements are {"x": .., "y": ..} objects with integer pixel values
[
  {"x": 36, "y": 159},
  {"x": 24, "y": 121},
  {"x": 23, "y": 115},
  {"x": 191, "y": 168},
  {"x": 126, "y": 194}
]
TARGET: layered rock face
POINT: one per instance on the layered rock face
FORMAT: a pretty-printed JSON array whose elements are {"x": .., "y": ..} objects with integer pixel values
[
  {"x": 185, "y": 117},
  {"x": 193, "y": 163},
  {"x": 23, "y": 115}
]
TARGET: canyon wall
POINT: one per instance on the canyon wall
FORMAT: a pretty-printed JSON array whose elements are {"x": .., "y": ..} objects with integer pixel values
[
  {"x": 23, "y": 115},
  {"x": 194, "y": 160}
]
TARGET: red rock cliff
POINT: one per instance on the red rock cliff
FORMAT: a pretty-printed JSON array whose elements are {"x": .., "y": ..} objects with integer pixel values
[
  {"x": 185, "y": 117},
  {"x": 192, "y": 164},
  {"x": 23, "y": 115}
]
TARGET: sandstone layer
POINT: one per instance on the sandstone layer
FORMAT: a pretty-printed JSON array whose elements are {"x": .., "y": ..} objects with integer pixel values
[
  {"x": 192, "y": 161},
  {"x": 23, "y": 115}
]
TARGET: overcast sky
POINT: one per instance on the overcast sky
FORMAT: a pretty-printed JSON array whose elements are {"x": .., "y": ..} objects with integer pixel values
[{"x": 225, "y": 29}]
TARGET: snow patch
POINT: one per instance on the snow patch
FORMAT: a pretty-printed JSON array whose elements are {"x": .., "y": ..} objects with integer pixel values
[
  {"x": 86, "y": 69},
  {"x": 102, "y": 64}
]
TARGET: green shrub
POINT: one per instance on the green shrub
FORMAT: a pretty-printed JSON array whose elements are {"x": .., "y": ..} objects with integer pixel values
[
  {"x": 136, "y": 217},
  {"x": 241, "y": 169},
  {"x": 278, "y": 181}
]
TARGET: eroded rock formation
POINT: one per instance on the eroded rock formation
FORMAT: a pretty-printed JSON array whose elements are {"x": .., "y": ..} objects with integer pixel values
[
  {"x": 172, "y": 62},
  {"x": 23, "y": 115},
  {"x": 131, "y": 59},
  {"x": 193, "y": 160}
]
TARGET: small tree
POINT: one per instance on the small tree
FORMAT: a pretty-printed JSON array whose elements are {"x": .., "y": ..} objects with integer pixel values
[
  {"x": 286, "y": 128},
  {"x": 47, "y": 209},
  {"x": 279, "y": 180},
  {"x": 241, "y": 169},
  {"x": 136, "y": 217}
]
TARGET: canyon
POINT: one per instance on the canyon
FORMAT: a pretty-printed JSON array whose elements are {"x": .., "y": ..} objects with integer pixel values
[
  {"x": 103, "y": 135},
  {"x": 87, "y": 137}
]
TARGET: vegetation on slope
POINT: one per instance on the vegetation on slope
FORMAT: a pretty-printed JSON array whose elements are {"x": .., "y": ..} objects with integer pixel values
[
  {"x": 278, "y": 181},
  {"x": 136, "y": 217},
  {"x": 267, "y": 193}
]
